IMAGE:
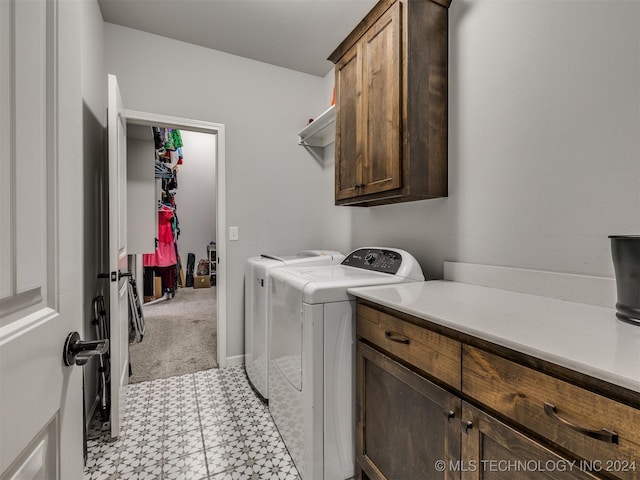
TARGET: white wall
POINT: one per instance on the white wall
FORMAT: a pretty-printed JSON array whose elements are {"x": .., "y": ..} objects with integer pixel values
[
  {"x": 544, "y": 141},
  {"x": 142, "y": 209},
  {"x": 196, "y": 196},
  {"x": 93, "y": 172},
  {"x": 273, "y": 194}
]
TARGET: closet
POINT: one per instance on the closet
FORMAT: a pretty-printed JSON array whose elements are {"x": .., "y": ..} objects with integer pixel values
[
  {"x": 162, "y": 206},
  {"x": 166, "y": 184},
  {"x": 171, "y": 222},
  {"x": 153, "y": 228}
]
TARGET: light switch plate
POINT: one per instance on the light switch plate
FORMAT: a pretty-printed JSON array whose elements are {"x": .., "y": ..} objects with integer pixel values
[{"x": 233, "y": 233}]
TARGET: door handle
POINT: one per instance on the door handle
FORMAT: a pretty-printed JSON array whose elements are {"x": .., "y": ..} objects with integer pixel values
[
  {"x": 111, "y": 275},
  {"x": 396, "y": 337},
  {"x": 603, "y": 435},
  {"x": 77, "y": 352}
]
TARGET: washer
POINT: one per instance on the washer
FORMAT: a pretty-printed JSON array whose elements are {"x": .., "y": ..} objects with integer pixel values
[
  {"x": 312, "y": 355},
  {"x": 257, "y": 272}
]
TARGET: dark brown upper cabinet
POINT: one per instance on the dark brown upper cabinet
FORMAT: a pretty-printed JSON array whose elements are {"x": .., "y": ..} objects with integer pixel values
[{"x": 391, "y": 105}]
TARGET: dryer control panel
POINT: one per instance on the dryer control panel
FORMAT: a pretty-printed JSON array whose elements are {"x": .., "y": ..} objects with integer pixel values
[{"x": 376, "y": 259}]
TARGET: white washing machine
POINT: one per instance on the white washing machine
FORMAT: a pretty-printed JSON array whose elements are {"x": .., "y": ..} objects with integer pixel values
[
  {"x": 312, "y": 355},
  {"x": 256, "y": 278}
]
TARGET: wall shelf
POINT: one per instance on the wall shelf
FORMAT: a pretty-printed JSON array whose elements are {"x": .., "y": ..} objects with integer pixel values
[{"x": 321, "y": 132}]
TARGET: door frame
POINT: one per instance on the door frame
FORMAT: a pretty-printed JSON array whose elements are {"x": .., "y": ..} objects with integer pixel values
[{"x": 157, "y": 120}]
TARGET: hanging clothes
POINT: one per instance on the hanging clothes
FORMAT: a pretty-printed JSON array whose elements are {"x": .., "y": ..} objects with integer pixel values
[
  {"x": 164, "y": 261},
  {"x": 168, "y": 144},
  {"x": 168, "y": 275},
  {"x": 176, "y": 138},
  {"x": 157, "y": 138},
  {"x": 165, "y": 254}
]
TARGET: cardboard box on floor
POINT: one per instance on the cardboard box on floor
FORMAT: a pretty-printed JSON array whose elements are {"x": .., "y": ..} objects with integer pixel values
[
  {"x": 157, "y": 290},
  {"x": 201, "y": 281}
]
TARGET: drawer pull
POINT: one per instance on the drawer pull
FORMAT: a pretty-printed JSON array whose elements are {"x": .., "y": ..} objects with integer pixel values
[
  {"x": 603, "y": 435},
  {"x": 396, "y": 337}
]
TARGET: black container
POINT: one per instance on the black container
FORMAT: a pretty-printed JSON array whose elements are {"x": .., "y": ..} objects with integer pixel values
[{"x": 625, "y": 250}]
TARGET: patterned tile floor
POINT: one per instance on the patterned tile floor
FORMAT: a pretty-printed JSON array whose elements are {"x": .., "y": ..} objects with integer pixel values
[{"x": 206, "y": 425}]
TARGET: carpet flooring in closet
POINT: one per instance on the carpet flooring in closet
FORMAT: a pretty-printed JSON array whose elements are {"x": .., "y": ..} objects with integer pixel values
[{"x": 180, "y": 336}]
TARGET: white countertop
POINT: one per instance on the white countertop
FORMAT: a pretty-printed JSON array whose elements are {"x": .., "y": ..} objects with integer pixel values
[{"x": 584, "y": 338}]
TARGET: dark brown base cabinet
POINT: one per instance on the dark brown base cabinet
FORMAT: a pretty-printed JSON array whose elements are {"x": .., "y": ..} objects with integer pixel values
[
  {"x": 405, "y": 423},
  {"x": 430, "y": 404}
]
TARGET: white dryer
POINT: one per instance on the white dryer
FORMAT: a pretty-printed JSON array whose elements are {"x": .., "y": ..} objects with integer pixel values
[
  {"x": 256, "y": 278},
  {"x": 312, "y": 355}
]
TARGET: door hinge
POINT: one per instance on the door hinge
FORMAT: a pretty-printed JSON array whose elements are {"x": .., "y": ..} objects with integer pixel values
[{"x": 114, "y": 276}]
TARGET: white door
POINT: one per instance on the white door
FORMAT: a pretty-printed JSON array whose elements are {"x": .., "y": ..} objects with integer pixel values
[
  {"x": 118, "y": 261},
  {"x": 41, "y": 242}
]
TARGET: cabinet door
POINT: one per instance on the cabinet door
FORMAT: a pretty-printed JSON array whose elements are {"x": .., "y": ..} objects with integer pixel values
[
  {"x": 381, "y": 59},
  {"x": 405, "y": 424},
  {"x": 348, "y": 117},
  {"x": 492, "y": 450}
]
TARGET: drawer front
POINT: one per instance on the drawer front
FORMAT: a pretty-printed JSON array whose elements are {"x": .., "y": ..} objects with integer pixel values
[
  {"x": 571, "y": 417},
  {"x": 434, "y": 354}
]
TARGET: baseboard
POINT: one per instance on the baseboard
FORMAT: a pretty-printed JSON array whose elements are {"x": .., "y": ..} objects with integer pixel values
[
  {"x": 235, "y": 361},
  {"x": 597, "y": 291}
]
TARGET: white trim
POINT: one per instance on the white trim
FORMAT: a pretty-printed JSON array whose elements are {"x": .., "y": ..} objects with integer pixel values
[
  {"x": 597, "y": 291},
  {"x": 221, "y": 248},
  {"x": 151, "y": 119},
  {"x": 157, "y": 120},
  {"x": 235, "y": 361}
]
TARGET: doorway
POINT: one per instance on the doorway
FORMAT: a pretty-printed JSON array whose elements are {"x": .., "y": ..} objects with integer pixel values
[
  {"x": 171, "y": 231},
  {"x": 217, "y": 211}
]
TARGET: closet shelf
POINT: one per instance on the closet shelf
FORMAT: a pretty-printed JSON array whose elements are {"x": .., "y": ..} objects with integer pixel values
[{"x": 321, "y": 132}]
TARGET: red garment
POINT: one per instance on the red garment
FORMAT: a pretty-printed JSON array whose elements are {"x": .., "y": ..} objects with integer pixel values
[
  {"x": 168, "y": 275},
  {"x": 165, "y": 254},
  {"x": 165, "y": 232}
]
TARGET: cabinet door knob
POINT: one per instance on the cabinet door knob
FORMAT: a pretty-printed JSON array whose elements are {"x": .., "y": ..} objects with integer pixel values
[
  {"x": 468, "y": 426},
  {"x": 451, "y": 415}
]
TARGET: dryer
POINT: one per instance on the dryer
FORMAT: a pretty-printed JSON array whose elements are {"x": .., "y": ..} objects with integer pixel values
[
  {"x": 257, "y": 272},
  {"x": 312, "y": 355}
]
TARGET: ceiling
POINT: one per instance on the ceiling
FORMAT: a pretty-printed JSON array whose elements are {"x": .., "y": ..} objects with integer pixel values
[{"x": 295, "y": 34}]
